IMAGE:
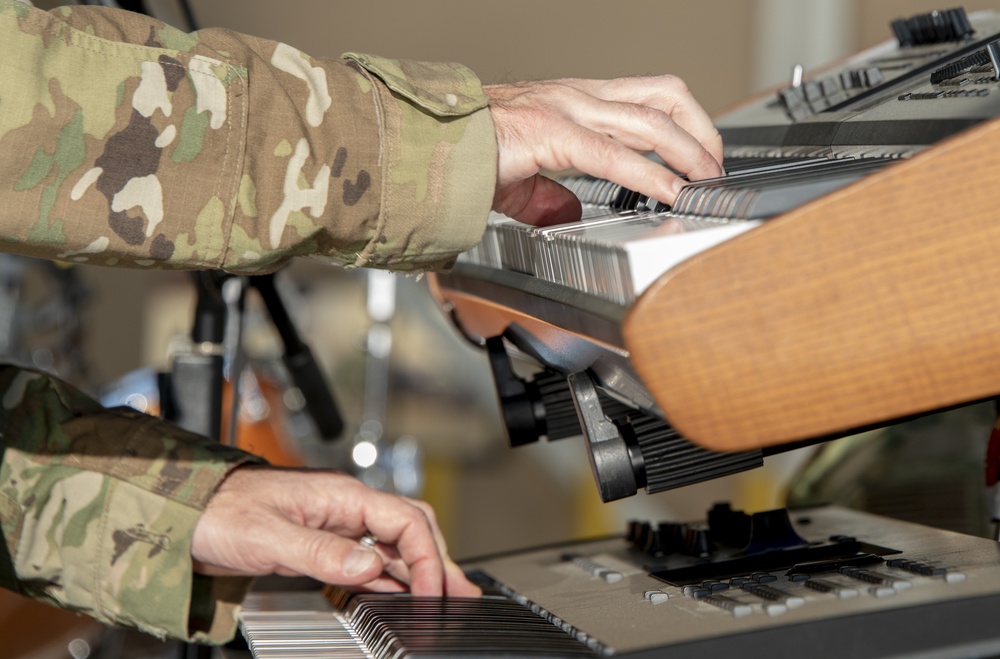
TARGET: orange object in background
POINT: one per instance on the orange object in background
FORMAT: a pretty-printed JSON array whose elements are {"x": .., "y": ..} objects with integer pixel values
[
  {"x": 32, "y": 630},
  {"x": 262, "y": 428},
  {"x": 265, "y": 436}
]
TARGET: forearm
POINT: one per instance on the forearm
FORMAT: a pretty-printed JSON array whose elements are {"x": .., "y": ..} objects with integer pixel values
[
  {"x": 222, "y": 150},
  {"x": 98, "y": 508}
]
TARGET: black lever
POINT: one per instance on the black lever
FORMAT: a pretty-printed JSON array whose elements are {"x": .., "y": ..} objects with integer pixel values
[{"x": 301, "y": 364}]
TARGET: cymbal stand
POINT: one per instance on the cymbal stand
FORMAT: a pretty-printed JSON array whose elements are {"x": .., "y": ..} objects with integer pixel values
[{"x": 387, "y": 466}]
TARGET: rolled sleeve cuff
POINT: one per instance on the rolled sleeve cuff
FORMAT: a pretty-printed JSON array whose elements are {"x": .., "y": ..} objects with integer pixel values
[
  {"x": 98, "y": 509},
  {"x": 163, "y": 597},
  {"x": 439, "y": 163}
]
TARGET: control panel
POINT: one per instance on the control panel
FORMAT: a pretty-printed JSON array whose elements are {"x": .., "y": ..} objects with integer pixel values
[
  {"x": 836, "y": 581},
  {"x": 937, "y": 76}
]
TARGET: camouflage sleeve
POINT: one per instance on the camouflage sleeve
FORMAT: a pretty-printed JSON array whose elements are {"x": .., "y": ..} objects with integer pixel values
[
  {"x": 126, "y": 142},
  {"x": 98, "y": 508}
]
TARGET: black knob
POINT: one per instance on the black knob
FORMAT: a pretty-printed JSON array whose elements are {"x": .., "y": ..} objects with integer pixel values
[
  {"x": 772, "y": 529},
  {"x": 636, "y": 533},
  {"x": 657, "y": 543},
  {"x": 870, "y": 76},
  {"x": 632, "y": 530},
  {"x": 697, "y": 542},
  {"x": 793, "y": 99},
  {"x": 729, "y": 527},
  {"x": 642, "y": 535},
  {"x": 677, "y": 535},
  {"x": 935, "y": 27},
  {"x": 533, "y": 408}
]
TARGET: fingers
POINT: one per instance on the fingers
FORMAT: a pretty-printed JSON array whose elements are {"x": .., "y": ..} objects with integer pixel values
[
  {"x": 412, "y": 548},
  {"x": 607, "y": 158},
  {"x": 455, "y": 582},
  {"x": 302, "y": 522},
  {"x": 666, "y": 93},
  {"x": 648, "y": 128},
  {"x": 600, "y": 128},
  {"x": 325, "y": 556}
]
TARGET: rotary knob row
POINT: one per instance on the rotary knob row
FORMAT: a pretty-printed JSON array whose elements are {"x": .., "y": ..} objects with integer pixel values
[{"x": 936, "y": 27}]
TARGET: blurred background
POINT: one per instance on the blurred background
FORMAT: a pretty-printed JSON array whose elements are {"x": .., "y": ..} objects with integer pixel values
[{"x": 440, "y": 420}]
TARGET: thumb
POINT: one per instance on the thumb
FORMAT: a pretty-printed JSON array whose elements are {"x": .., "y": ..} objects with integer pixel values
[
  {"x": 328, "y": 557},
  {"x": 537, "y": 200}
]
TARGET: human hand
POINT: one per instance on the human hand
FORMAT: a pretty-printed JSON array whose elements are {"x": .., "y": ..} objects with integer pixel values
[
  {"x": 599, "y": 127},
  {"x": 265, "y": 520}
]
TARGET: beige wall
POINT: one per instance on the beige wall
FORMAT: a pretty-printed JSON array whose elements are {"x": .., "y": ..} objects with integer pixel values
[
  {"x": 717, "y": 46},
  {"x": 520, "y": 39}
]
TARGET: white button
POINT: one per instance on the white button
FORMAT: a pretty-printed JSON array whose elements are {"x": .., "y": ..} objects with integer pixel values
[
  {"x": 794, "y": 602},
  {"x": 611, "y": 576},
  {"x": 954, "y": 577},
  {"x": 742, "y": 610},
  {"x": 451, "y": 100}
]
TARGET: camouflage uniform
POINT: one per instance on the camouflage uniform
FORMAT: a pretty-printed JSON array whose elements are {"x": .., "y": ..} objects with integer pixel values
[
  {"x": 125, "y": 142},
  {"x": 97, "y": 510}
]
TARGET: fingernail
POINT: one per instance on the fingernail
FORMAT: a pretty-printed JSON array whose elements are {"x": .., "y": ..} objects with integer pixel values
[
  {"x": 359, "y": 560},
  {"x": 678, "y": 185}
]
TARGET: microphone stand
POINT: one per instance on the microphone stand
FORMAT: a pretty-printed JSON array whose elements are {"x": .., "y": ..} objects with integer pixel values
[
  {"x": 191, "y": 393},
  {"x": 300, "y": 362}
]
